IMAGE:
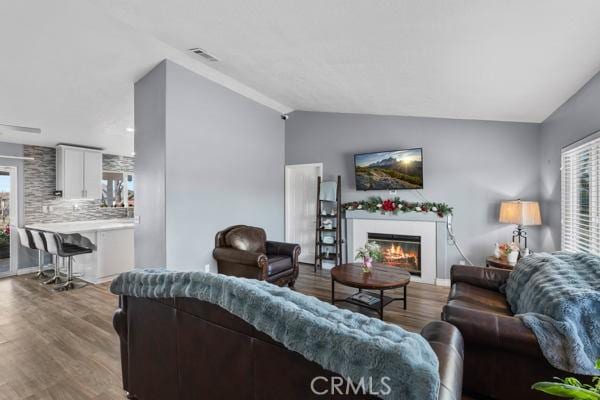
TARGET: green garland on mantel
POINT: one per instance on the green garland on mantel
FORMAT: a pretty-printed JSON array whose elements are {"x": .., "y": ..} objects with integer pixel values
[{"x": 396, "y": 205}]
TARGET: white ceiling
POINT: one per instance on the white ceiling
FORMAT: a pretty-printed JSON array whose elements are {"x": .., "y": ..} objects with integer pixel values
[{"x": 68, "y": 66}]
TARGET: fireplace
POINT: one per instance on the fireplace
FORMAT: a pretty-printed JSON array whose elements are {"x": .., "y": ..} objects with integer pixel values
[
  {"x": 401, "y": 251},
  {"x": 429, "y": 228}
]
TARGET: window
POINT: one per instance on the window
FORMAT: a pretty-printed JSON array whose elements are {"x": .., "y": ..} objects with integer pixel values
[
  {"x": 118, "y": 189},
  {"x": 580, "y": 203},
  {"x": 130, "y": 190}
]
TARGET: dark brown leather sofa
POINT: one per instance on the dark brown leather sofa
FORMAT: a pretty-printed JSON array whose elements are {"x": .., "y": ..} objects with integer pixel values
[
  {"x": 502, "y": 356},
  {"x": 244, "y": 251},
  {"x": 182, "y": 348}
]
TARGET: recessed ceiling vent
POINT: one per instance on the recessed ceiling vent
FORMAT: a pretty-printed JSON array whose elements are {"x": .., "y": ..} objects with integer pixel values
[{"x": 204, "y": 54}]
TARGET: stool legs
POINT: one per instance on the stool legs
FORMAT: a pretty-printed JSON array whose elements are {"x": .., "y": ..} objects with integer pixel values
[
  {"x": 69, "y": 283},
  {"x": 40, "y": 273},
  {"x": 56, "y": 277}
]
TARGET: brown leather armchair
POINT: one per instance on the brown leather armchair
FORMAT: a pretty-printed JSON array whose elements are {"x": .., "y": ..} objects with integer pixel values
[
  {"x": 502, "y": 356},
  {"x": 244, "y": 251}
]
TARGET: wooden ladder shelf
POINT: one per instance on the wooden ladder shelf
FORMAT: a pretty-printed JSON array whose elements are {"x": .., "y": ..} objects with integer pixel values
[{"x": 329, "y": 211}]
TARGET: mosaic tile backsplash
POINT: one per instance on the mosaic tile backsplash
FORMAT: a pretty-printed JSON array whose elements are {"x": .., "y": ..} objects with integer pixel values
[
  {"x": 39, "y": 181},
  {"x": 113, "y": 163}
]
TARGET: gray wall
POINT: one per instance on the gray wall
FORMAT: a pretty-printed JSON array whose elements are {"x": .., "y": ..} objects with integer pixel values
[
  {"x": 150, "y": 141},
  {"x": 574, "y": 120},
  {"x": 471, "y": 165},
  {"x": 223, "y": 164}
]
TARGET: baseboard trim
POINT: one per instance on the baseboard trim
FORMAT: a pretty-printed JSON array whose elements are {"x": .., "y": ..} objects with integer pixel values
[
  {"x": 442, "y": 282},
  {"x": 28, "y": 270}
]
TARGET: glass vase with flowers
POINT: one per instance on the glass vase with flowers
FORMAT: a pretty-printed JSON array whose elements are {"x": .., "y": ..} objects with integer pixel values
[
  {"x": 369, "y": 253},
  {"x": 510, "y": 251}
]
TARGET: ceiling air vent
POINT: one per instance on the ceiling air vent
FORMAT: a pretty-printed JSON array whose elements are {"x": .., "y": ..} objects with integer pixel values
[
  {"x": 204, "y": 54},
  {"x": 19, "y": 129}
]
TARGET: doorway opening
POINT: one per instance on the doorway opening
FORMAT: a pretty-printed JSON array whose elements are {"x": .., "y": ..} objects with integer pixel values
[
  {"x": 301, "y": 207},
  {"x": 8, "y": 220}
]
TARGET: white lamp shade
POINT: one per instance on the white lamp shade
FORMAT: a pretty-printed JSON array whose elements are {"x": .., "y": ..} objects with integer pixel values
[{"x": 520, "y": 212}]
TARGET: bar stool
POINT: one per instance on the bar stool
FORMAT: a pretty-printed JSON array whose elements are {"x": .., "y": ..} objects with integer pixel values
[
  {"x": 68, "y": 251},
  {"x": 49, "y": 243},
  {"x": 27, "y": 239},
  {"x": 41, "y": 248}
]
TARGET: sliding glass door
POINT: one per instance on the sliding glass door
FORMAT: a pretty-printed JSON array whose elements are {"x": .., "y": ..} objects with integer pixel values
[{"x": 8, "y": 220}]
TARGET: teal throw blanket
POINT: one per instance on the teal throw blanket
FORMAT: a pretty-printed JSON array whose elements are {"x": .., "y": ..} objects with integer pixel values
[
  {"x": 558, "y": 297},
  {"x": 347, "y": 343}
]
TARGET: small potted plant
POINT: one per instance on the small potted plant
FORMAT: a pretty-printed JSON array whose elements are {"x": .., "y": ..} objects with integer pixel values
[
  {"x": 371, "y": 251},
  {"x": 510, "y": 251},
  {"x": 572, "y": 388}
]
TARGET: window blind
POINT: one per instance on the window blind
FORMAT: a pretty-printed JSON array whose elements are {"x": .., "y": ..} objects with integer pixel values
[{"x": 580, "y": 202}]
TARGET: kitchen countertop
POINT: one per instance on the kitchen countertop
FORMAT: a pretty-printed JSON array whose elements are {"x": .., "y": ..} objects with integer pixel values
[{"x": 84, "y": 226}]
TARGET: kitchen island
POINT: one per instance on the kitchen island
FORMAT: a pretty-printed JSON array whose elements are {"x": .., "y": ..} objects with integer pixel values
[{"x": 113, "y": 239}]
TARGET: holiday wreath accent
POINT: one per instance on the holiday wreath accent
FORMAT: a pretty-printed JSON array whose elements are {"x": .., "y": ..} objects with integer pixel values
[{"x": 395, "y": 205}]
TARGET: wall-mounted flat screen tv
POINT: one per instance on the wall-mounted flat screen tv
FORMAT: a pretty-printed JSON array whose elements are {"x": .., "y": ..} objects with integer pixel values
[{"x": 389, "y": 170}]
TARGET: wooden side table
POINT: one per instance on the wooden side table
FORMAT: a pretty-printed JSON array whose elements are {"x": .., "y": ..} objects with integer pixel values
[{"x": 494, "y": 262}]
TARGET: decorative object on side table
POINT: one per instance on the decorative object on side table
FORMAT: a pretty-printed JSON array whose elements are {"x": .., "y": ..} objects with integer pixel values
[
  {"x": 501, "y": 258},
  {"x": 510, "y": 251},
  {"x": 520, "y": 213},
  {"x": 497, "y": 251},
  {"x": 505, "y": 256},
  {"x": 371, "y": 251}
]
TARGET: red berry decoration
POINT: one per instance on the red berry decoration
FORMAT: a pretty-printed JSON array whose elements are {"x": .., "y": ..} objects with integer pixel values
[{"x": 388, "y": 205}]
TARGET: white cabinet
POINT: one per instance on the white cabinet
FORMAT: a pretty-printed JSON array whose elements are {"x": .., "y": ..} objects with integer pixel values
[
  {"x": 72, "y": 174},
  {"x": 79, "y": 172},
  {"x": 92, "y": 172},
  {"x": 115, "y": 252}
]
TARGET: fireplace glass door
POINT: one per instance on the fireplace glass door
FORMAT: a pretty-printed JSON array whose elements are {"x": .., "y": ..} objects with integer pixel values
[{"x": 400, "y": 251}]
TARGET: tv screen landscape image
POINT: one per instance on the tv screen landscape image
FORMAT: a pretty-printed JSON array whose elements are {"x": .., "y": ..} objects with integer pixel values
[{"x": 389, "y": 170}]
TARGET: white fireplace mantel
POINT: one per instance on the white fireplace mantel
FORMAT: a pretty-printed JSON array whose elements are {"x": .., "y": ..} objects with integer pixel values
[{"x": 429, "y": 226}]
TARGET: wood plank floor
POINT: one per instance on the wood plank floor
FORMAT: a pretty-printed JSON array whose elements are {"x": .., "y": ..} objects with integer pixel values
[
  {"x": 57, "y": 345},
  {"x": 62, "y": 345}
]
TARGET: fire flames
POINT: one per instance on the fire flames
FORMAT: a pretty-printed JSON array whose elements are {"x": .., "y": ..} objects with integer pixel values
[{"x": 395, "y": 254}]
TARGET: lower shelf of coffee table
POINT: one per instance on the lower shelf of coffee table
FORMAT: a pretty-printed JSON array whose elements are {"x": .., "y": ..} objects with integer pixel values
[{"x": 375, "y": 306}]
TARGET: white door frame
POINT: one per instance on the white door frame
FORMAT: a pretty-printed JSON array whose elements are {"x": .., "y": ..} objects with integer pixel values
[
  {"x": 14, "y": 219},
  {"x": 288, "y": 169}
]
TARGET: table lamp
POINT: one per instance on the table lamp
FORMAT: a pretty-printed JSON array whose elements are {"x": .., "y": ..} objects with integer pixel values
[{"x": 520, "y": 213}]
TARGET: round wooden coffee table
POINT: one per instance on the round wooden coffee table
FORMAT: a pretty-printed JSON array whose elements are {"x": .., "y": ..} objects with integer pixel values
[{"x": 382, "y": 277}]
